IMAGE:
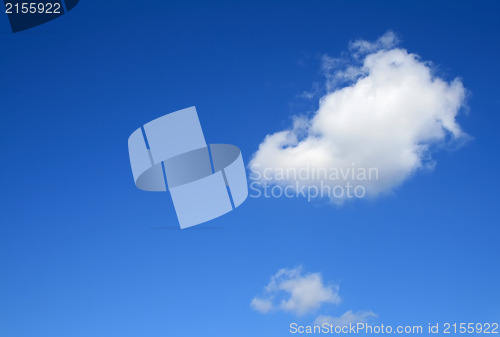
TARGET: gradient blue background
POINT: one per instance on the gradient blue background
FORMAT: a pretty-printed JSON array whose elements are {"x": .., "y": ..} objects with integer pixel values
[{"x": 85, "y": 253}]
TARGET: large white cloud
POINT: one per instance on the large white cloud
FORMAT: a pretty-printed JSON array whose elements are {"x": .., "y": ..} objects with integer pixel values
[{"x": 388, "y": 112}]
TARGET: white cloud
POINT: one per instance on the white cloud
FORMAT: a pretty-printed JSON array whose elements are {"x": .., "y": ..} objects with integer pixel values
[
  {"x": 293, "y": 291},
  {"x": 386, "y": 41},
  {"x": 349, "y": 317},
  {"x": 299, "y": 293},
  {"x": 390, "y": 116},
  {"x": 261, "y": 305}
]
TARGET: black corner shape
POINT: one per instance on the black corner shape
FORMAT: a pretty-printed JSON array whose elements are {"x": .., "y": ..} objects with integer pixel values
[{"x": 26, "y": 14}]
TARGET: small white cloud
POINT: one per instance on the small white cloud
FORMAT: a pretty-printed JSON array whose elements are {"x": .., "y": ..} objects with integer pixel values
[
  {"x": 387, "y": 41},
  {"x": 299, "y": 293},
  {"x": 261, "y": 305},
  {"x": 390, "y": 115},
  {"x": 349, "y": 317},
  {"x": 293, "y": 291}
]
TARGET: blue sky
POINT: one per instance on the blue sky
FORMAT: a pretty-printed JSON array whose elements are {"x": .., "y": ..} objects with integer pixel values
[{"x": 83, "y": 252}]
